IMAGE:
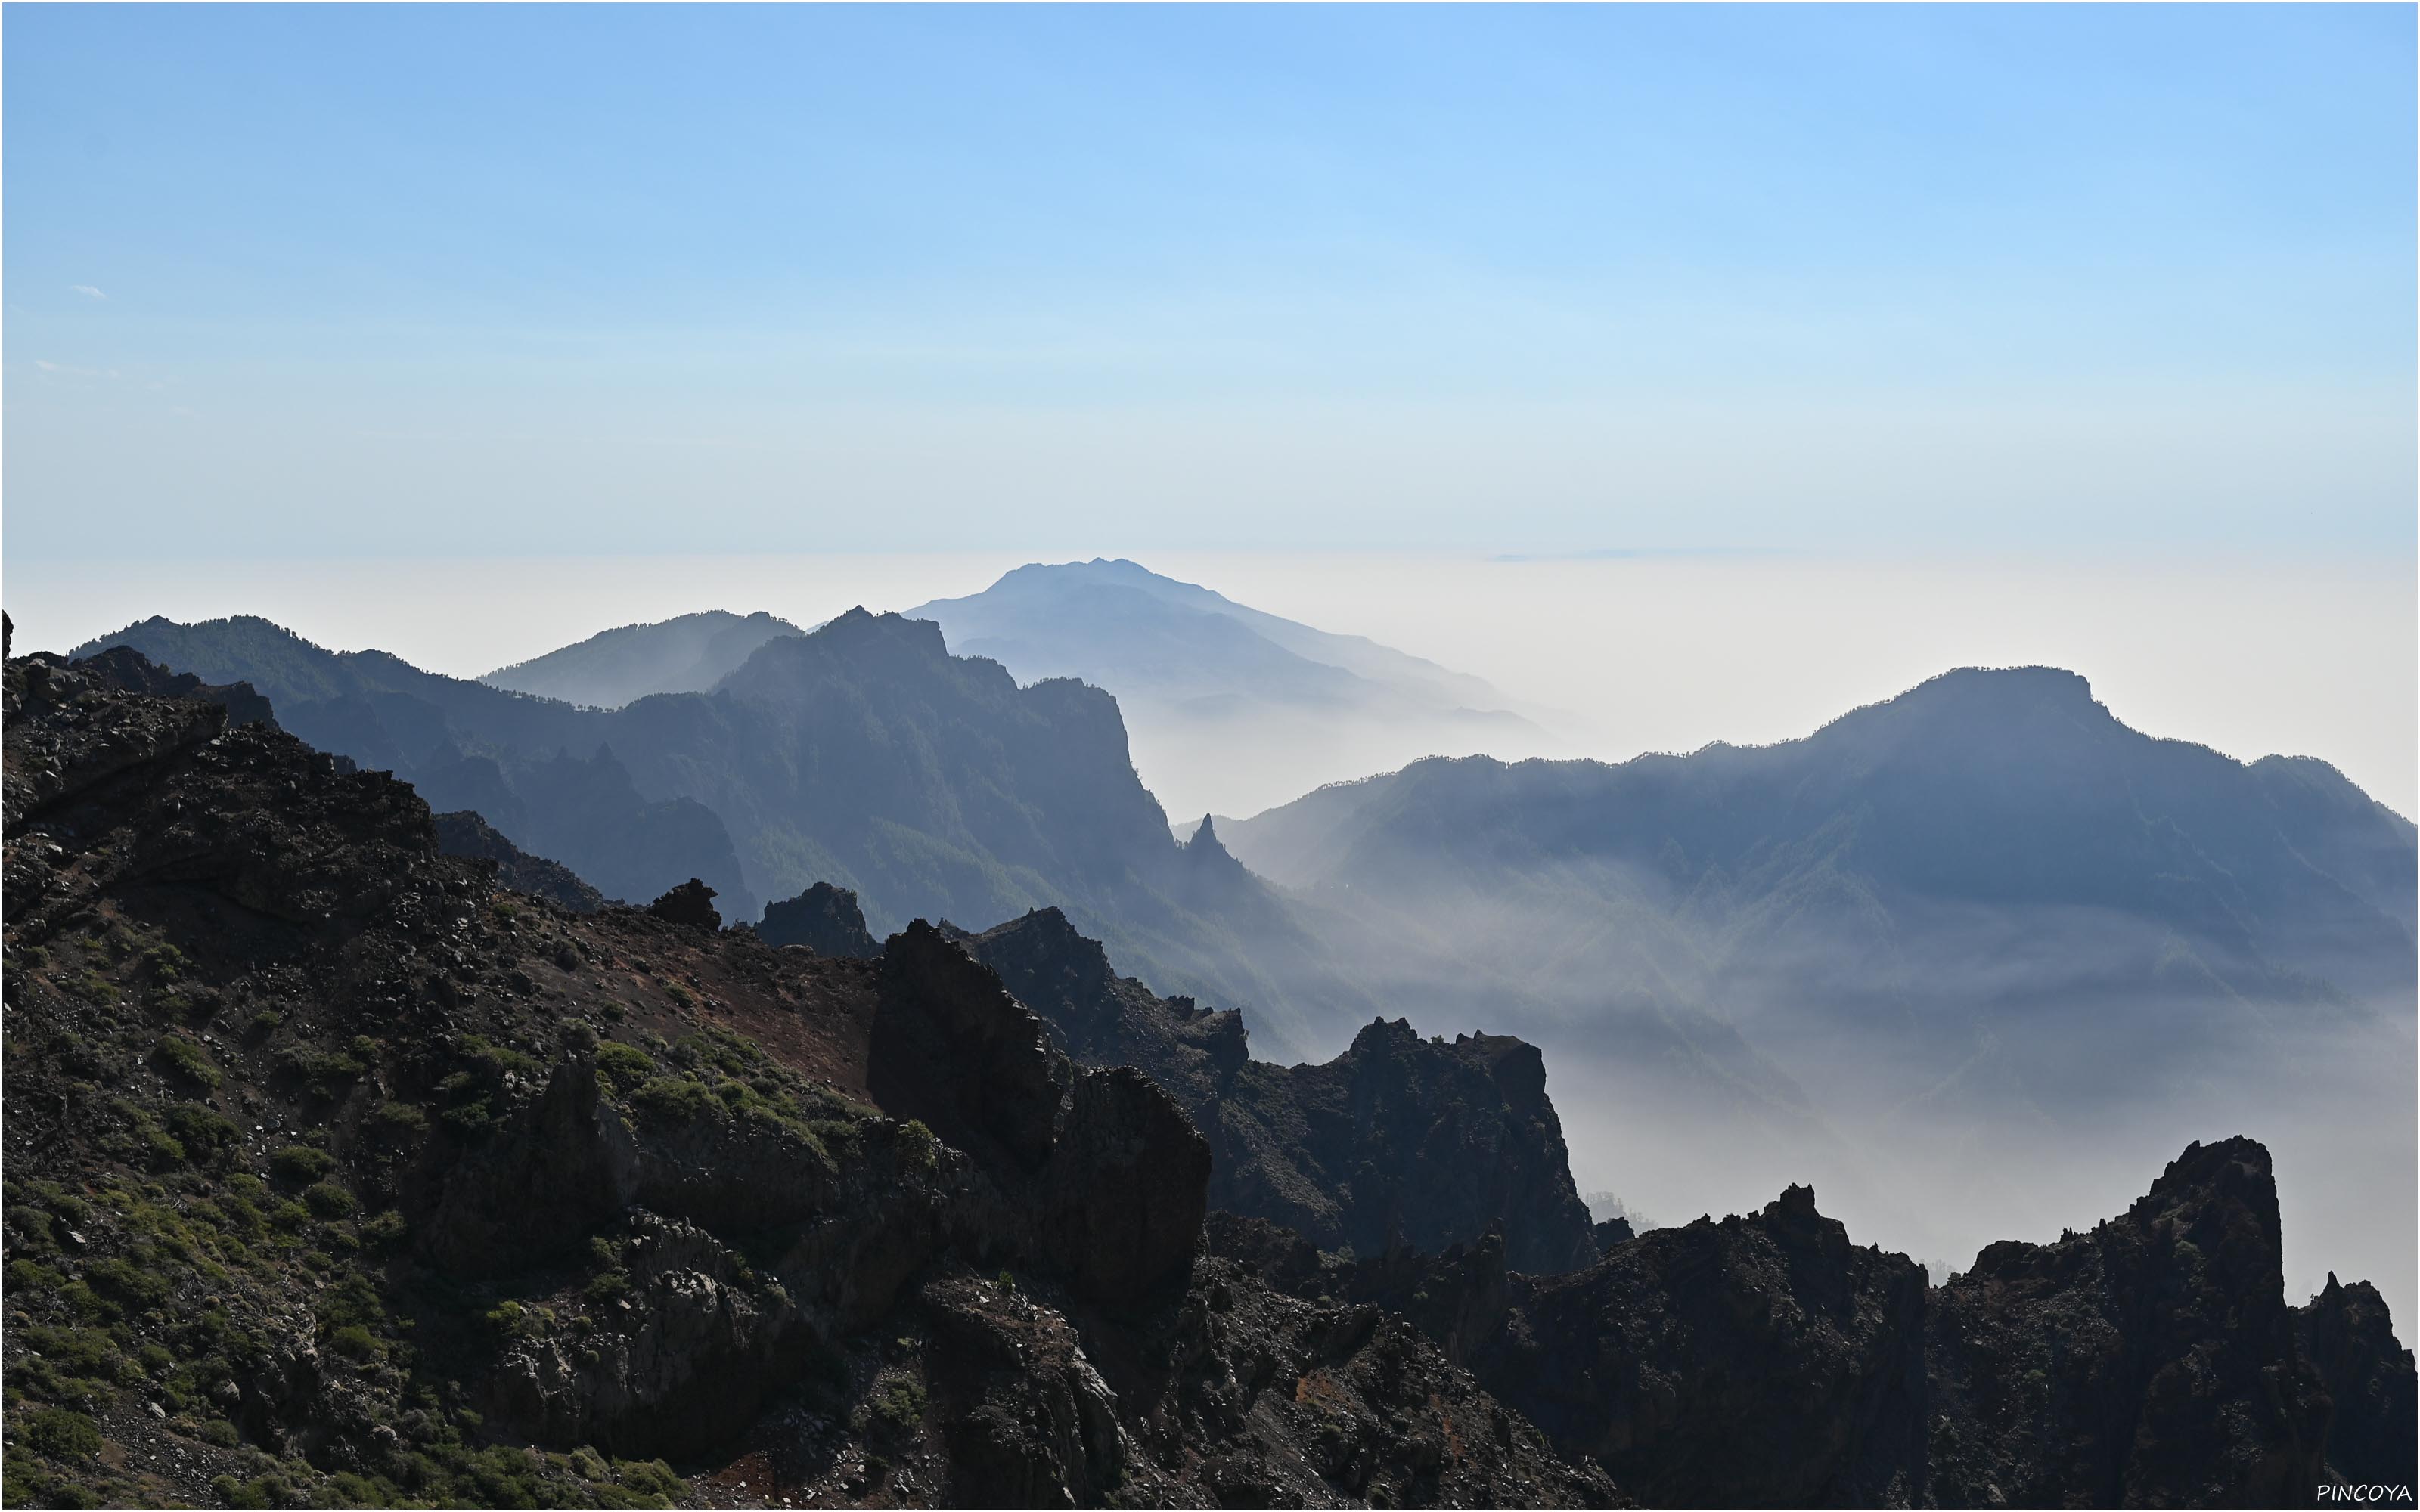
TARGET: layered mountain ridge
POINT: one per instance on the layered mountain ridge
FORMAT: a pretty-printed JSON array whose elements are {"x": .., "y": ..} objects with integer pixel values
[
  {"x": 559, "y": 1190},
  {"x": 1228, "y": 707},
  {"x": 1980, "y": 918},
  {"x": 1399, "y": 1142},
  {"x": 863, "y": 755},
  {"x": 687, "y": 653},
  {"x": 339, "y": 1173}
]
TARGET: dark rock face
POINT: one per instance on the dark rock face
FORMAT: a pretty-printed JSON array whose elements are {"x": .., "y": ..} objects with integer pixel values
[
  {"x": 403, "y": 1173},
  {"x": 1131, "y": 1178},
  {"x": 1766, "y": 1361},
  {"x": 700, "y": 1352},
  {"x": 2149, "y": 1362},
  {"x": 544, "y": 774},
  {"x": 125, "y": 671},
  {"x": 863, "y": 755},
  {"x": 1118, "y": 1174},
  {"x": 956, "y": 1050},
  {"x": 2346, "y": 1335},
  {"x": 824, "y": 919},
  {"x": 1758, "y": 1361},
  {"x": 690, "y": 904},
  {"x": 465, "y": 834},
  {"x": 1234, "y": 1396},
  {"x": 542, "y": 1183},
  {"x": 1400, "y": 1141}
]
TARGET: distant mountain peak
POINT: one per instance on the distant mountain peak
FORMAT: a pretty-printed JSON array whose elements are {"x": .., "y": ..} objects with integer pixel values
[
  {"x": 1228, "y": 707},
  {"x": 1205, "y": 851},
  {"x": 687, "y": 654},
  {"x": 1994, "y": 705}
]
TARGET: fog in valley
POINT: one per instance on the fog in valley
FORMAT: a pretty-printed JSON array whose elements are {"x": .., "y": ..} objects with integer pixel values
[
  {"x": 1958, "y": 1074},
  {"x": 1614, "y": 655},
  {"x": 1968, "y": 1108}
]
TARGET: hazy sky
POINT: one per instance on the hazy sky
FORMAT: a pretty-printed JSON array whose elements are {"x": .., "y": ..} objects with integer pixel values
[
  {"x": 1619, "y": 655},
  {"x": 319, "y": 282}
]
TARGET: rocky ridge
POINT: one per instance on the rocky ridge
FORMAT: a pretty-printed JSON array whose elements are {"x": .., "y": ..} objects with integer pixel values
[
  {"x": 824, "y": 919},
  {"x": 340, "y": 1174},
  {"x": 1399, "y": 1143}
]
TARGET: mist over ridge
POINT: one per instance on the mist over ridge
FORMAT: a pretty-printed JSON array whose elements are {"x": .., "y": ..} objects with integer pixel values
[
  {"x": 1940, "y": 944},
  {"x": 1178, "y": 756}
]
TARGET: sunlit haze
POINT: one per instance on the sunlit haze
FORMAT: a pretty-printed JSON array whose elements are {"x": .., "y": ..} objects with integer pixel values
[{"x": 1619, "y": 655}]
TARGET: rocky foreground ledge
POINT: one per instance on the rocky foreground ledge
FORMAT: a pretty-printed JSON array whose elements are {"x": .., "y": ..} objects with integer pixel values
[{"x": 340, "y": 1174}]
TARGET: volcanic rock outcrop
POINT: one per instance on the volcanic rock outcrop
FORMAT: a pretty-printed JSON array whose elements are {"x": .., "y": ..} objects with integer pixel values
[
  {"x": 339, "y": 1173},
  {"x": 824, "y": 919},
  {"x": 1400, "y": 1142},
  {"x": 464, "y": 833},
  {"x": 1766, "y": 1361},
  {"x": 2347, "y": 1336}
]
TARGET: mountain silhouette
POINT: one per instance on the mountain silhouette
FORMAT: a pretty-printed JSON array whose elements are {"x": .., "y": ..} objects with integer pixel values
[
  {"x": 684, "y": 654},
  {"x": 1931, "y": 946},
  {"x": 862, "y": 754},
  {"x": 1228, "y": 707}
]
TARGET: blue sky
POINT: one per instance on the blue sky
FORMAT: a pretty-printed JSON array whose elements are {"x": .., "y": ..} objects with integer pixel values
[{"x": 446, "y": 279}]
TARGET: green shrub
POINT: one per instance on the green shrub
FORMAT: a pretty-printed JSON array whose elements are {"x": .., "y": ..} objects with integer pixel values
[
  {"x": 139, "y": 1286},
  {"x": 201, "y": 1128},
  {"x": 649, "y": 1478},
  {"x": 397, "y": 1120},
  {"x": 326, "y": 1071},
  {"x": 606, "y": 1286},
  {"x": 182, "y": 1058},
  {"x": 514, "y": 1320},
  {"x": 330, "y": 1201},
  {"x": 356, "y": 1342},
  {"x": 898, "y": 1403},
  {"x": 386, "y": 1229},
  {"x": 65, "y": 1435},
  {"x": 85, "y": 1303},
  {"x": 622, "y": 1067},
  {"x": 300, "y": 1163},
  {"x": 31, "y": 1227},
  {"x": 676, "y": 1100},
  {"x": 498, "y": 1060},
  {"x": 471, "y": 1121},
  {"x": 918, "y": 1147}
]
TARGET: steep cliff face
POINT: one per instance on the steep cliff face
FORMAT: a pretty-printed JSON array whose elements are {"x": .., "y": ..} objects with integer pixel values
[
  {"x": 1766, "y": 1361},
  {"x": 338, "y": 1173},
  {"x": 1400, "y": 1142},
  {"x": 1759, "y": 1361},
  {"x": 2151, "y": 1361},
  {"x": 824, "y": 919},
  {"x": 862, "y": 754},
  {"x": 2347, "y": 1336},
  {"x": 465, "y": 834}
]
